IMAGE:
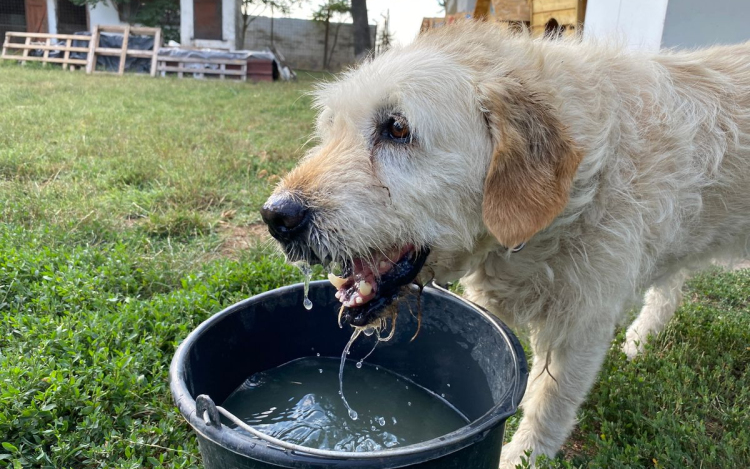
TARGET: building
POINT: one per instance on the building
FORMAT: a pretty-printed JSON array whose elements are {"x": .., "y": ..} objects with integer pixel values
[
  {"x": 654, "y": 24},
  {"x": 213, "y": 24}
]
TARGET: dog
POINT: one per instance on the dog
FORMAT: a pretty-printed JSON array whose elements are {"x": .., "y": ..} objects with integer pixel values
[{"x": 558, "y": 180}]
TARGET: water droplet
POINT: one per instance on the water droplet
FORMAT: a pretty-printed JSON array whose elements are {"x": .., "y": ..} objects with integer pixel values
[
  {"x": 369, "y": 331},
  {"x": 442, "y": 395},
  {"x": 377, "y": 368},
  {"x": 353, "y": 414},
  {"x": 318, "y": 354},
  {"x": 359, "y": 364},
  {"x": 307, "y": 272},
  {"x": 449, "y": 384},
  {"x": 409, "y": 404},
  {"x": 394, "y": 420},
  {"x": 407, "y": 387},
  {"x": 321, "y": 371},
  {"x": 381, "y": 421}
]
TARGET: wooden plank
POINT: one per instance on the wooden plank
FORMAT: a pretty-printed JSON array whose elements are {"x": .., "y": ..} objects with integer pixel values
[
  {"x": 50, "y": 60},
  {"x": 124, "y": 51},
  {"x": 26, "y": 51},
  {"x": 66, "y": 55},
  {"x": 60, "y": 48},
  {"x": 143, "y": 54},
  {"x": 136, "y": 30},
  {"x": 93, "y": 46},
  {"x": 205, "y": 71},
  {"x": 46, "y": 53},
  {"x": 47, "y": 35},
  {"x": 164, "y": 58},
  {"x": 541, "y": 6},
  {"x": 157, "y": 48},
  {"x": 564, "y": 17}
]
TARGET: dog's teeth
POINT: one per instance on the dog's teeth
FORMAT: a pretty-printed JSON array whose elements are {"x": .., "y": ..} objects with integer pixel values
[
  {"x": 365, "y": 288},
  {"x": 359, "y": 300},
  {"x": 337, "y": 282}
]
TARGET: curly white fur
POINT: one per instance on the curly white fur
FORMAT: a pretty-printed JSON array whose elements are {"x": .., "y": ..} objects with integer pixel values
[{"x": 663, "y": 187}]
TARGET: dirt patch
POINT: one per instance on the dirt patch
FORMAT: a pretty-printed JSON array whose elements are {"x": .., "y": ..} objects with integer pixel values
[{"x": 235, "y": 239}]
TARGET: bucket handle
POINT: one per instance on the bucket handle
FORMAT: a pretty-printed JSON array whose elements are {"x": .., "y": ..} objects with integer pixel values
[{"x": 206, "y": 409}]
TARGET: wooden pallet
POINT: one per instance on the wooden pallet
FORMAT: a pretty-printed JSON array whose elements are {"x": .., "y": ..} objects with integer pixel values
[
  {"x": 123, "y": 52},
  {"x": 43, "y": 41},
  {"x": 168, "y": 64}
]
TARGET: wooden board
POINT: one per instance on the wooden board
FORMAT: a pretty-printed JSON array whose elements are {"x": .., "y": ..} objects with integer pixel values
[
  {"x": 168, "y": 64},
  {"x": 43, "y": 42},
  {"x": 123, "y": 52}
]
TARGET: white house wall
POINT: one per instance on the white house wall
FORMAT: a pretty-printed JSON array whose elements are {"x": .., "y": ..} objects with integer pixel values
[
  {"x": 698, "y": 23},
  {"x": 103, "y": 13},
  {"x": 639, "y": 24},
  {"x": 52, "y": 16},
  {"x": 230, "y": 11}
]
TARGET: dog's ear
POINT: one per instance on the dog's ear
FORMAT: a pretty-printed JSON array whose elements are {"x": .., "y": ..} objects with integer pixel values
[{"x": 533, "y": 163}]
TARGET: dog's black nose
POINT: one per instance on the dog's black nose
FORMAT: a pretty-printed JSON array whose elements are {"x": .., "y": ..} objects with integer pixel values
[{"x": 285, "y": 216}]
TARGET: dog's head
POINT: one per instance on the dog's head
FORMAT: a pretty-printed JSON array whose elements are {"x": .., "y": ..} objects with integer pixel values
[{"x": 420, "y": 150}]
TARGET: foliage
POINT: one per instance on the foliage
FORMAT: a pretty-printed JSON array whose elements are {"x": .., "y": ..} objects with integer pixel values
[
  {"x": 330, "y": 10},
  {"x": 123, "y": 208},
  {"x": 154, "y": 13}
]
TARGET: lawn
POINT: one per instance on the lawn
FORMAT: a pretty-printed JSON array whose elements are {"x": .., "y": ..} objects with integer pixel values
[{"x": 130, "y": 214}]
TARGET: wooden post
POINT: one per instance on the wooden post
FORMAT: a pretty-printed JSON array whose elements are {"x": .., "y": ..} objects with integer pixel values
[
  {"x": 93, "y": 44},
  {"x": 66, "y": 55},
  {"x": 46, "y": 53},
  {"x": 157, "y": 47},
  {"x": 124, "y": 54},
  {"x": 26, "y": 51},
  {"x": 223, "y": 68},
  {"x": 244, "y": 71},
  {"x": 5, "y": 45}
]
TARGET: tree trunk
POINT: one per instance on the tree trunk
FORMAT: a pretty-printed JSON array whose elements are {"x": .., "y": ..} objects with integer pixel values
[
  {"x": 325, "y": 45},
  {"x": 362, "y": 43}
]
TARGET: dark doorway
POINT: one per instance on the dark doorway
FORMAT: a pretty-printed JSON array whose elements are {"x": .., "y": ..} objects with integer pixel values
[
  {"x": 70, "y": 18},
  {"x": 552, "y": 29},
  {"x": 12, "y": 17},
  {"x": 36, "y": 16},
  {"x": 207, "y": 19}
]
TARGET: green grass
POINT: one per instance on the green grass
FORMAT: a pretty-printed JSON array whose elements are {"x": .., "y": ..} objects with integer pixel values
[{"x": 129, "y": 209}]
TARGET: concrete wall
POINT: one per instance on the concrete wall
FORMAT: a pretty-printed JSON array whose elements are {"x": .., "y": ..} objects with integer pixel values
[
  {"x": 301, "y": 41},
  {"x": 696, "y": 23},
  {"x": 230, "y": 23},
  {"x": 636, "y": 23}
]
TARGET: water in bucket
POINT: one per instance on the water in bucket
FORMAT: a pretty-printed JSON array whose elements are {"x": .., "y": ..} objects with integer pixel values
[{"x": 299, "y": 402}]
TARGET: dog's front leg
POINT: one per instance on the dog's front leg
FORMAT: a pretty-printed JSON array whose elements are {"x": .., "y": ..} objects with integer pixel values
[{"x": 565, "y": 365}]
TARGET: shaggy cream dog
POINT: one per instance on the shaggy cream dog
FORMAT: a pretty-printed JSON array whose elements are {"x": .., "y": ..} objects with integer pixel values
[{"x": 620, "y": 171}]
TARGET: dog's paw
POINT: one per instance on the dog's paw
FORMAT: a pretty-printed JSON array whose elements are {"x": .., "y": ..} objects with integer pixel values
[
  {"x": 514, "y": 457},
  {"x": 632, "y": 348}
]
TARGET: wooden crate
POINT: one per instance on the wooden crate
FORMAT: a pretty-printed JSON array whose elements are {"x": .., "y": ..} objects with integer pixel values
[
  {"x": 182, "y": 65},
  {"x": 43, "y": 41},
  {"x": 123, "y": 52}
]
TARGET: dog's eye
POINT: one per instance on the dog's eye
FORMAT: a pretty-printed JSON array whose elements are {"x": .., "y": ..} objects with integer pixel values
[{"x": 398, "y": 129}]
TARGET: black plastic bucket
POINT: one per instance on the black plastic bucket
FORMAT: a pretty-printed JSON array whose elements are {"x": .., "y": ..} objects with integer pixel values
[{"x": 461, "y": 352}]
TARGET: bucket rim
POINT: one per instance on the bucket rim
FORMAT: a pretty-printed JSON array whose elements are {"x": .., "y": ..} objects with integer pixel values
[{"x": 451, "y": 442}]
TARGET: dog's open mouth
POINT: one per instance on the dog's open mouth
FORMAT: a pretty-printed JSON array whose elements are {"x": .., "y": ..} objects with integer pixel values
[{"x": 369, "y": 285}]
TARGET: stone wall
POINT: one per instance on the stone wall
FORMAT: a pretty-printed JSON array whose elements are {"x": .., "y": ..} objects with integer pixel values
[{"x": 302, "y": 41}]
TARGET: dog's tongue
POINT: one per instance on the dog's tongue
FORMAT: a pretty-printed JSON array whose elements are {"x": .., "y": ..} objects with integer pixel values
[{"x": 362, "y": 285}]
